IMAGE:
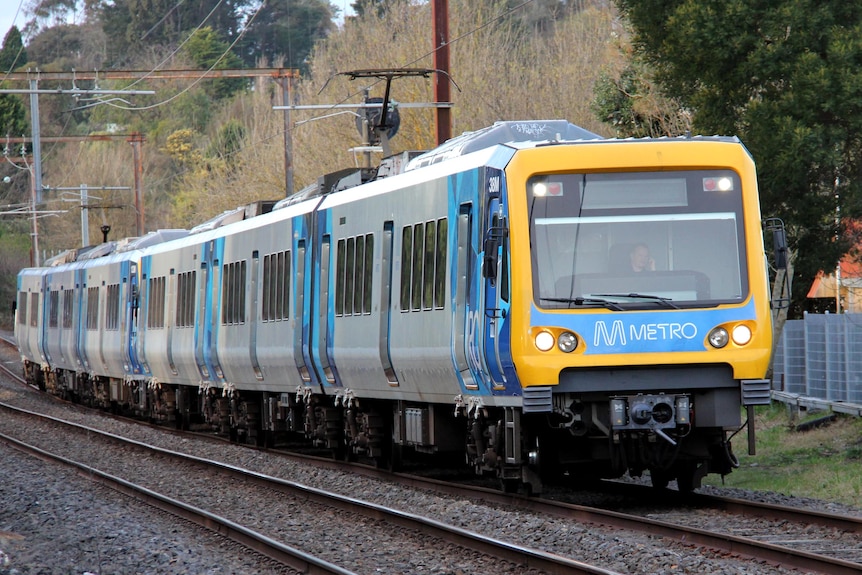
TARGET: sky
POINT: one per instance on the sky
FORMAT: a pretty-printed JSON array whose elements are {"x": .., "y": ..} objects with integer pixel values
[{"x": 8, "y": 9}]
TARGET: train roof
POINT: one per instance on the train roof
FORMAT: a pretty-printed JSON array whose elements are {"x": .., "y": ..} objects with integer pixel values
[{"x": 503, "y": 133}]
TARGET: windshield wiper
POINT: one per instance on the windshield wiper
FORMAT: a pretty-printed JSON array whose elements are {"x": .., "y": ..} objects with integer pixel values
[
  {"x": 584, "y": 301},
  {"x": 665, "y": 301}
]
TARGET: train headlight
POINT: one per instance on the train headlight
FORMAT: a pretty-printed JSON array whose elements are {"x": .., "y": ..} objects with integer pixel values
[
  {"x": 718, "y": 338},
  {"x": 567, "y": 341},
  {"x": 540, "y": 189},
  {"x": 741, "y": 334},
  {"x": 544, "y": 341}
]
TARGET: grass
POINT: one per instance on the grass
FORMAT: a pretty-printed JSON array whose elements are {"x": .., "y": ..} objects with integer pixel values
[{"x": 823, "y": 463}]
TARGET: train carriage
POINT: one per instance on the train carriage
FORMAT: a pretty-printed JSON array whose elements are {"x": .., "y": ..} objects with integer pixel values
[
  {"x": 542, "y": 301},
  {"x": 29, "y": 321}
]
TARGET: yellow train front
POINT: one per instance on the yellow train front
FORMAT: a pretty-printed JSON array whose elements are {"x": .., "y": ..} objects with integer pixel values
[{"x": 639, "y": 306}]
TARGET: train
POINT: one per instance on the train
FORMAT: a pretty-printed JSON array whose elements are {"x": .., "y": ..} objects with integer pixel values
[{"x": 479, "y": 302}]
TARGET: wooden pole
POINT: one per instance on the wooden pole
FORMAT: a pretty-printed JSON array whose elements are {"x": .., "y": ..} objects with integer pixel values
[{"x": 440, "y": 15}]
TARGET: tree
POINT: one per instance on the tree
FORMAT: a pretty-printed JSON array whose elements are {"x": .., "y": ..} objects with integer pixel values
[
  {"x": 376, "y": 8},
  {"x": 135, "y": 25},
  {"x": 13, "y": 53},
  {"x": 784, "y": 76},
  {"x": 287, "y": 28},
  {"x": 68, "y": 47},
  {"x": 13, "y": 115},
  {"x": 14, "y": 255},
  {"x": 207, "y": 51}
]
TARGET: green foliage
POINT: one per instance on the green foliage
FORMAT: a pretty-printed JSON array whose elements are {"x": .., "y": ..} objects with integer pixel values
[
  {"x": 784, "y": 76},
  {"x": 207, "y": 51},
  {"x": 373, "y": 8},
  {"x": 13, "y": 54},
  {"x": 822, "y": 463},
  {"x": 287, "y": 28},
  {"x": 228, "y": 142},
  {"x": 634, "y": 108},
  {"x": 68, "y": 47},
  {"x": 13, "y": 116},
  {"x": 133, "y": 26},
  {"x": 14, "y": 255}
]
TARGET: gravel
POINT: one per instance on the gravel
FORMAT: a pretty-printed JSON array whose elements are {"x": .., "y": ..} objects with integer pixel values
[
  {"x": 54, "y": 521},
  {"x": 51, "y": 521}
]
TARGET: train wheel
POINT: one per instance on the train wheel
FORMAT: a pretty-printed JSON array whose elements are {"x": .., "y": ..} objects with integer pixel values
[
  {"x": 659, "y": 478},
  {"x": 688, "y": 477},
  {"x": 396, "y": 456},
  {"x": 509, "y": 485}
]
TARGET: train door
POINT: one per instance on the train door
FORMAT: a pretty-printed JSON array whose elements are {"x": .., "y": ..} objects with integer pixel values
[
  {"x": 101, "y": 312},
  {"x": 253, "y": 319},
  {"x": 386, "y": 303},
  {"x": 465, "y": 346},
  {"x": 80, "y": 318},
  {"x": 133, "y": 348},
  {"x": 491, "y": 340},
  {"x": 172, "y": 324},
  {"x": 300, "y": 312},
  {"x": 321, "y": 321},
  {"x": 206, "y": 326},
  {"x": 38, "y": 310}
]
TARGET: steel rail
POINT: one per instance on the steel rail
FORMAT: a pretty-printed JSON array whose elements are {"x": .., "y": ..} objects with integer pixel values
[
  {"x": 284, "y": 554},
  {"x": 772, "y": 553},
  {"x": 531, "y": 558}
]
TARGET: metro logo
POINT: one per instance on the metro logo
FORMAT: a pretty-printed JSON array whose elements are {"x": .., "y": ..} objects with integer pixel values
[{"x": 617, "y": 335}]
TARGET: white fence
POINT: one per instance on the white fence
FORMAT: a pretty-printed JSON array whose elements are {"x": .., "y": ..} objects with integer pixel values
[{"x": 818, "y": 363}]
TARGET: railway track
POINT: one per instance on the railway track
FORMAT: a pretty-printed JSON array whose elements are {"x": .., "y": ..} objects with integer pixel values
[
  {"x": 784, "y": 535},
  {"x": 170, "y": 467}
]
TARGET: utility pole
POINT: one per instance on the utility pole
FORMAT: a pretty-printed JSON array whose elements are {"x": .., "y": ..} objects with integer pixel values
[
  {"x": 379, "y": 131},
  {"x": 286, "y": 85},
  {"x": 440, "y": 16},
  {"x": 34, "y": 92},
  {"x": 281, "y": 75},
  {"x": 37, "y": 146},
  {"x": 83, "y": 192},
  {"x": 136, "y": 140}
]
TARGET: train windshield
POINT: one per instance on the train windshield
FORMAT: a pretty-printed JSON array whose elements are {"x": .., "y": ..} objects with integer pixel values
[{"x": 621, "y": 240}]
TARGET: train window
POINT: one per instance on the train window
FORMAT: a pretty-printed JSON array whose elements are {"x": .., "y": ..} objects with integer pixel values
[
  {"x": 276, "y": 286},
  {"x": 112, "y": 315},
  {"x": 428, "y": 265},
  {"x": 350, "y": 267},
  {"x": 418, "y": 253},
  {"x": 339, "y": 277},
  {"x": 239, "y": 281},
  {"x": 267, "y": 302},
  {"x": 22, "y": 308},
  {"x": 283, "y": 284},
  {"x": 233, "y": 293},
  {"x": 93, "y": 308},
  {"x": 68, "y": 307},
  {"x": 406, "y": 255},
  {"x": 354, "y": 259},
  {"x": 369, "y": 267},
  {"x": 186, "y": 299},
  {"x": 440, "y": 264},
  {"x": 53, "y": 308},
  {"x": 156, "y": 303},
  {"x": 34, "y": 309},
  {"x": 358, "y": 275},
  {"x": 226, "y": 294}
]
